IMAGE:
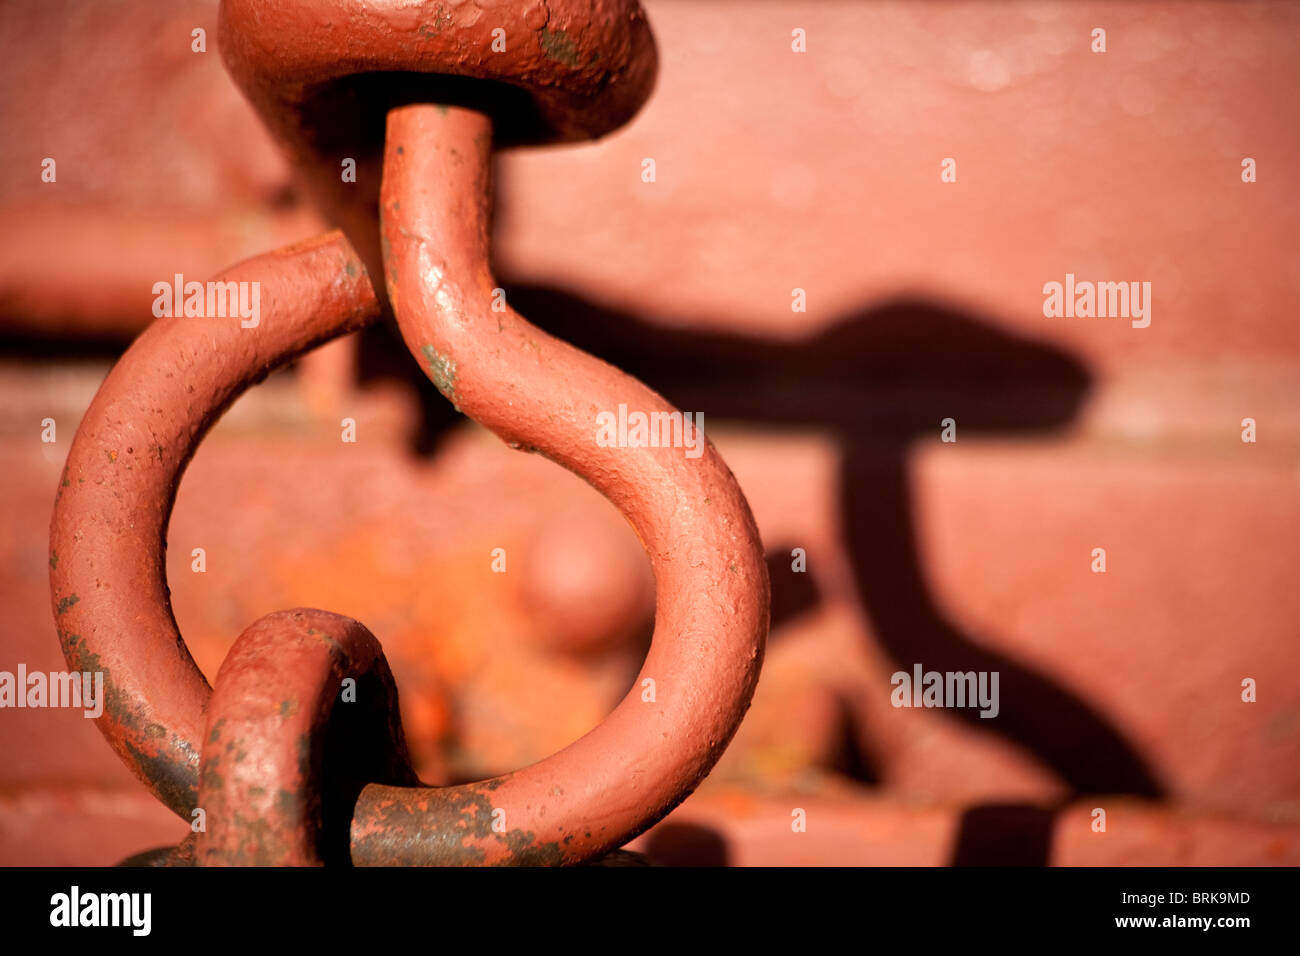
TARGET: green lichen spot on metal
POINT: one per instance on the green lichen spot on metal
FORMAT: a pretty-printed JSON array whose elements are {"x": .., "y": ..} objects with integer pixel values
[
  {"x": 67, "y": 602},
  {"x": 54, "y": 559},
  {"x": 558, "y": 47},
  {"x": 441, "y": 20},
  {"x": 353, "y": 269},
  {"x": 442, "y": 370},
  {"x": 526, "y": 851},
  {"x": 78, "y": 655},
  {"x": 441, "y": 108},
  {"x": 173, "y": 780}
]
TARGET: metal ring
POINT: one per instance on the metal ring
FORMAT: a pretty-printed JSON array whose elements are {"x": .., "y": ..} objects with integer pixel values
[
  {"x": 108, "y": 576},
  {"x": 304, "y": 713}
]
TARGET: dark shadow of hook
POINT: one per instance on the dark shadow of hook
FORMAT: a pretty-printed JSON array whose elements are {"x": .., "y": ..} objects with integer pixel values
[{"x": 881, "y": 378}]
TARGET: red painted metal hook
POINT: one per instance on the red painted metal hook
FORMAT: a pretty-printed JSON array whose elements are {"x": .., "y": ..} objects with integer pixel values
[
  {"x": 535, "y": 392},
  {"x": 542, "y": 395}
]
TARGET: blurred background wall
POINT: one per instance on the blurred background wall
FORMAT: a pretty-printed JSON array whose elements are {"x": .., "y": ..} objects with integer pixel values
[{"x": 775, "y": 171}]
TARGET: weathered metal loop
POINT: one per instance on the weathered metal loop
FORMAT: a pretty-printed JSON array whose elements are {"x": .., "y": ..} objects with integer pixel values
[
  {"x": 108, "y": 575},
  {"x": 303, "y": 715},
  {"x": 594, "y": 67},
  {"x": 324, "y": 73},
  {"x": 585, "y": 66}
]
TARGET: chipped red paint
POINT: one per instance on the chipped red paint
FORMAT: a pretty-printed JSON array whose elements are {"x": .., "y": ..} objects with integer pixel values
[
  {"x": 584, "y": 66},
  {"x": 304, "y": 713}
]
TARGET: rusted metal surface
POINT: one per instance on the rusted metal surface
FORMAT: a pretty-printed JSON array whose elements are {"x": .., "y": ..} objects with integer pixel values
[
  {"x": 279, "y": 773},
  {"x": 304, "y": 713},
  {"x": 586, "y": 66},
  {"x": 108, "y": 534}
]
